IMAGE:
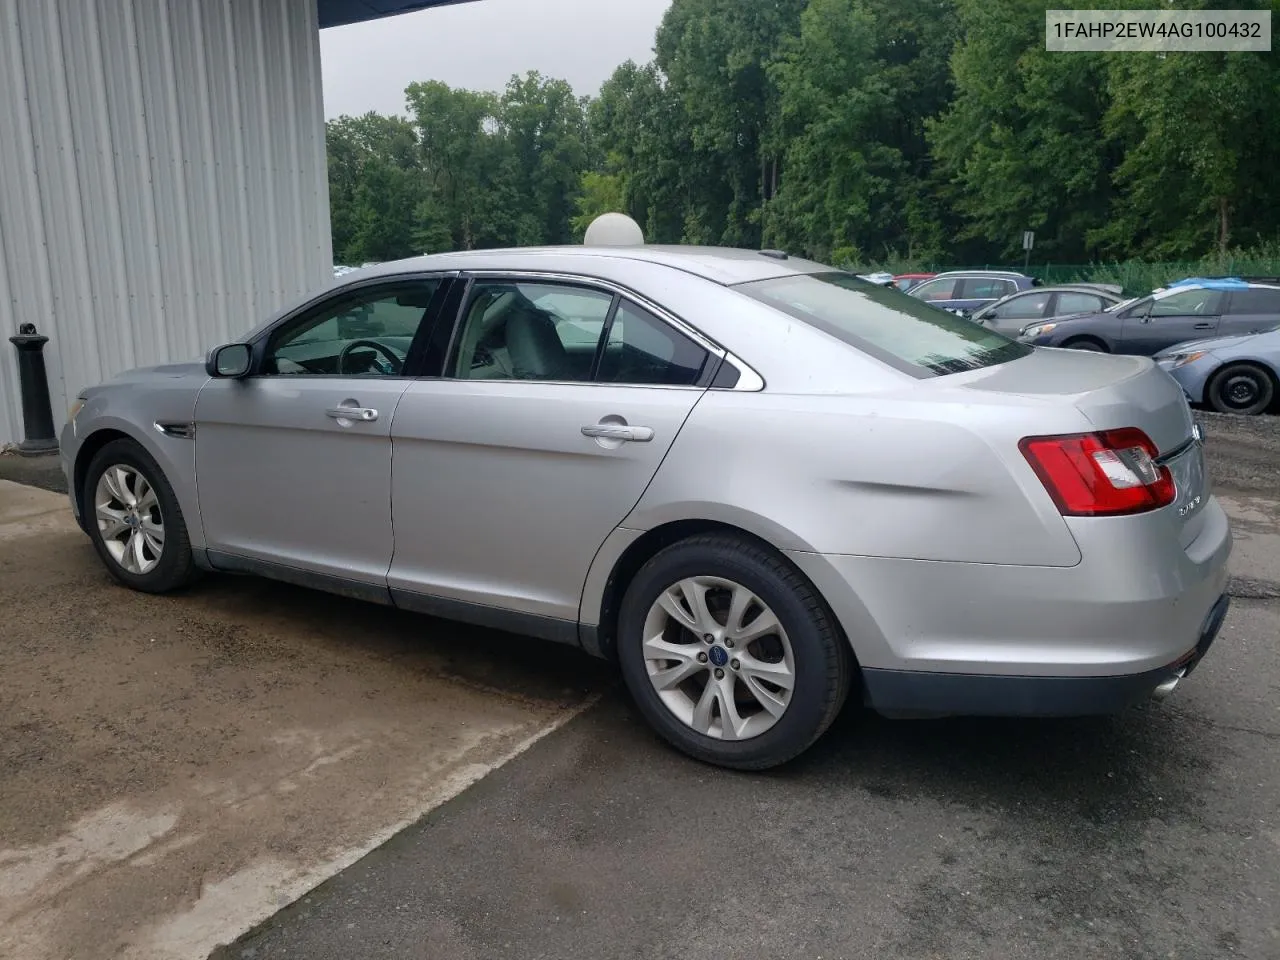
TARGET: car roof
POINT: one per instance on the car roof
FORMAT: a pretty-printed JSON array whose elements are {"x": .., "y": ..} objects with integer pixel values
[
  {"x": 1069, "y": 287},
  {"x": 1206, "y": 284},
  {"x": 724, "y": 265},
  {"x": 983, "y": 273}
]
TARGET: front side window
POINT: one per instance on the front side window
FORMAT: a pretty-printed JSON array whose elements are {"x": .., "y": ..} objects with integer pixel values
[
  {"x": 363, "y": 333},
  {"x": 1187, "y": 303},
  {"x": 985, "y": 288},
  {"x": 913, "y": 337}
]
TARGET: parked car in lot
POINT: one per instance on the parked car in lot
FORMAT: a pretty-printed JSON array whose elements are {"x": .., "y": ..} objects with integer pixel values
[
  {"x": 1195, "y": 309},
  {"x": 758, "y": 484},
  {"x": 963, "y": 291},
  {"x": 1011, "y": 314},
  {"x": 1231, "y": 374}
]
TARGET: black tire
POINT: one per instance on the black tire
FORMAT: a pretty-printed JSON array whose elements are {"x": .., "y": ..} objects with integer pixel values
[
  {"x": 176, "y": 566},
  {"x": 1086, "y": 343},
  {"x": 823, "y": 661},
  {"x": 1242, "y": 388}
]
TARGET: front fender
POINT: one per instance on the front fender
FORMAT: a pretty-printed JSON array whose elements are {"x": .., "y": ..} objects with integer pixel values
[{"x": 100, "y": 420}]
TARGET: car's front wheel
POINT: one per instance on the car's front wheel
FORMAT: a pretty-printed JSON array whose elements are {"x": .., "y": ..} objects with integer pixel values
[
  {"x": 1241, "y": 388},
  {"x": 134, "y": 519},
  {"x": 730, "y": 654}
]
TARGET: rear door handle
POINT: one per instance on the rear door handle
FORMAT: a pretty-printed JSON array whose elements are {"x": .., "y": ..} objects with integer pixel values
[
  {"x": 363, "y": 414},
  {"x": 1203, "y": 326},
  {"x": 618, "y": 431}
]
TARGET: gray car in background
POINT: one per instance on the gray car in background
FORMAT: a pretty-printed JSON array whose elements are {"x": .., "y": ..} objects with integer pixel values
[
  {"x": 1151, "y": 324},
  {"x": 1230, "y": 374},
  {"x": 1013, "y": 313},
  {"x": 758, "y": 484}
]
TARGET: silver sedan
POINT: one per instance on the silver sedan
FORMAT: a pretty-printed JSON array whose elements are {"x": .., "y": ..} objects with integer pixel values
[{"x": 757, "y": 483}]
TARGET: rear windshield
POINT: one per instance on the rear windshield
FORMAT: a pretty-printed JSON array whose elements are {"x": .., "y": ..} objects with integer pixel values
[{"x": 887, "y": 324}]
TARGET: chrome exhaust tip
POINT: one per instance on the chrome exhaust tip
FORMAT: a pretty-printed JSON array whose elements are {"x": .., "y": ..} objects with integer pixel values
[{"x": 1162, "y": 691}]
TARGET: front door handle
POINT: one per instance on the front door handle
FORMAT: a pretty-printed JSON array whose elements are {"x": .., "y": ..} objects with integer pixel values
[
  {"x": 618, "y": 431},
  {"x": 363, "y": 414},
  {"x": 1203, "y": 326}
]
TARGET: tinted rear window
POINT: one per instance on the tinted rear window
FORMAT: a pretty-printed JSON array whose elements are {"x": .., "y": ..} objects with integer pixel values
[{"x": 900, "y": 330}]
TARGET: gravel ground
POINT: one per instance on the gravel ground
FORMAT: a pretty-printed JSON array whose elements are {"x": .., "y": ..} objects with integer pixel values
[{"x": 1243, "y": 452}]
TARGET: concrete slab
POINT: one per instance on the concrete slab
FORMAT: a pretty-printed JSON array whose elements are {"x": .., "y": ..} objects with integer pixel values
[
  {"x": 177, "y": 768},
  {"x": 25, "y": 511}
]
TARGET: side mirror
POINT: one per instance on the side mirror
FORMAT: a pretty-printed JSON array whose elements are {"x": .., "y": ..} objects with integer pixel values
[{"x": 231, "y": 361}]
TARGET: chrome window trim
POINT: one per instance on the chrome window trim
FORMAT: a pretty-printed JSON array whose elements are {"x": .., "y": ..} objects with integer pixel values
[{"x": 748, "y": 379}]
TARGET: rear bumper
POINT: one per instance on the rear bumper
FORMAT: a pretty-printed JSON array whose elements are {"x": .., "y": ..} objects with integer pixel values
[
  {"x": 993, "y": 639},
  {"x": 917, "y": 693}
]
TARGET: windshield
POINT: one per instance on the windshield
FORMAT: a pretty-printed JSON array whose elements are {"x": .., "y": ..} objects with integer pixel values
[{"x": 898, "y": 329}]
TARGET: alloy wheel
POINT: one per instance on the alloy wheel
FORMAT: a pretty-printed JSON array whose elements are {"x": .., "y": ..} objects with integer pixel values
[
  {"x": 718, "y": 658},
  {"x": 127, "y": 511}
]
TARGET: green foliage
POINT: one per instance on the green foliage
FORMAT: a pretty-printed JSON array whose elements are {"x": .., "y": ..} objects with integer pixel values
[
  {"x": 890, "y": 134},
  {"x": 467, "y": 170}
]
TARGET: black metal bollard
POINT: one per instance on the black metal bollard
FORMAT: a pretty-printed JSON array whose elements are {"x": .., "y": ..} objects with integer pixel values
[{"x": 37, "y": 415}]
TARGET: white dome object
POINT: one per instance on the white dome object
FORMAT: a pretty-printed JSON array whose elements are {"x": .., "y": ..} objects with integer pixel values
[{"x": 614, "y": 230}]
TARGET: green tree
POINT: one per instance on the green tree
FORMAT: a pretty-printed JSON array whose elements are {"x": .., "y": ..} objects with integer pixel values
[
  {"x": 1022, "y": 143},
  {"x": 1200, "y": 130},
  {"x": 715, "y": 54}
]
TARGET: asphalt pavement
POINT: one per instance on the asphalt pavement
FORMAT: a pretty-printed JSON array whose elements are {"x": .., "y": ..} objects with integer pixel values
[{"x": 1151, "y": 835}]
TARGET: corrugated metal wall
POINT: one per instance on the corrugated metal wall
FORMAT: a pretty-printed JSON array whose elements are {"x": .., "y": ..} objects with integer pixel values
[{"x": 162, "y": 179}]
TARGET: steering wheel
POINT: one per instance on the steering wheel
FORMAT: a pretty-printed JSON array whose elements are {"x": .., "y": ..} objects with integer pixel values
[{"x": 397, "y": 364}]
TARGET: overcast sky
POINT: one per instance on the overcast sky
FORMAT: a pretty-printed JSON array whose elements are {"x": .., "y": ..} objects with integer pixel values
[{"x": 480, "y": 45}]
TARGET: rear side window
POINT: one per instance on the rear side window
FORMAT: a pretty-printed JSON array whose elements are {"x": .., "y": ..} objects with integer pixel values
[
  {"x": 935, "y": 289},
  {"x": 1028, "y": 307},
  {"x": 1255, "y": 300},
  {"x": 642, "y": 349},
  {"x": 1078, "y": 303},
  {"x": 984, "y": 288},
  {"x": 900, "y": 331}
]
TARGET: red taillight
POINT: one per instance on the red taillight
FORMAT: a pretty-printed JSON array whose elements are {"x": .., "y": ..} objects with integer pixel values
[{"x": 1100, "y": 474}]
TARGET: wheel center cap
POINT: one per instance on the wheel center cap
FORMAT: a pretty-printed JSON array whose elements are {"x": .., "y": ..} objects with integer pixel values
[{"x": 718, "y": 655}]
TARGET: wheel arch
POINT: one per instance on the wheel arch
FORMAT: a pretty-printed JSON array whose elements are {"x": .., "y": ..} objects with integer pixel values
[
  {"x": 89, "y": 448},
  {"x": 602, "y": 600},
  {"x": 1266, "y": 368},
  {"x": 170, "y": 461},
  {"x": 1089, "y": 337}
]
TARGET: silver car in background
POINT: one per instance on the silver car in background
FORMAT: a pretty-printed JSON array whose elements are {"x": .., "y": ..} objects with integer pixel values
[
  {"x": 757, "y": 483},
  {"x": 1230, "y": 374}
]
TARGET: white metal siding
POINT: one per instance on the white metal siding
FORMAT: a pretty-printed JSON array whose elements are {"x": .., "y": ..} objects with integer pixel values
[{"x": 162, "y": 179}]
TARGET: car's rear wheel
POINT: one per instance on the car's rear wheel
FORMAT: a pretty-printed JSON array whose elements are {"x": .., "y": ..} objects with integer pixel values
[
  {"x": 1086, "y": 343},
  {"x": 1242, "y": 388},
  {"x": 730, "y": 654},
  {"x": 134, "y": 519}
]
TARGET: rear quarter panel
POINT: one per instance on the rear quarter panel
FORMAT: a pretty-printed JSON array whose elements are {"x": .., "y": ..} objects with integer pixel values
[{"x": 926, "y": 474}]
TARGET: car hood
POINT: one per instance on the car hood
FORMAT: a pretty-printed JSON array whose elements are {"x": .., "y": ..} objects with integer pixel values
[{"x": 193, "y": 370}]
